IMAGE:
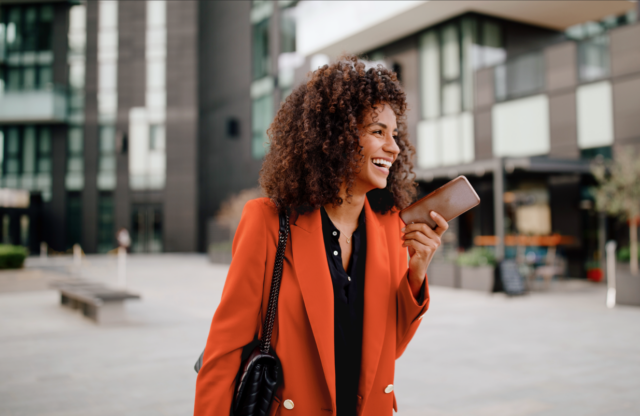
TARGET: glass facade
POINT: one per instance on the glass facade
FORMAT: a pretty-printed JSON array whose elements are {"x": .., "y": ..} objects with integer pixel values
[
  {"x": 146, "y": 229},
  {"x": 263, "y": 84},
  {"x": 26, "y": 55},
  {"x": 25, "y": 159},
  {"x": 77, "y": 39},
  {"x": 147, "y": 129},
  {"x": 449, "y": 53}
]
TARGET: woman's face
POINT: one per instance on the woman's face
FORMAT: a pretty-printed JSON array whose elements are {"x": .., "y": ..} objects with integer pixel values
[{"x": 378, "y": 140}]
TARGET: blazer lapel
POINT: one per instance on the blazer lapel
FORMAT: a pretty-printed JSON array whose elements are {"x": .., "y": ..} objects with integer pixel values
[
  {"x": 377, "y": 289},
  {"x": 314, "y": 278}
]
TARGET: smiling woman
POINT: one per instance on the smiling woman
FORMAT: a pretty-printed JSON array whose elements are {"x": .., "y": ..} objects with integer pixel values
[
  {"x": 348, "y": 303},
  {"x": 315, "y": 144}
]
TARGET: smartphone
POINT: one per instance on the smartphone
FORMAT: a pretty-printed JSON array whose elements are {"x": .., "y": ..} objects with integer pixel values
[{"x": 450, "y": 200}]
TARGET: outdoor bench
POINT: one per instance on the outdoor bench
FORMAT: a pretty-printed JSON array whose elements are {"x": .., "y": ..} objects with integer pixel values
[{"x": 96, "y": 301}]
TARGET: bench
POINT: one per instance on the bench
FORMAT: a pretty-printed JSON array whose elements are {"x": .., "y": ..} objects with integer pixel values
[{"x": 96, "y": 301}]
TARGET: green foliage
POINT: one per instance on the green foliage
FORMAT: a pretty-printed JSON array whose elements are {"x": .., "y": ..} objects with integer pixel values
[
  {"x": 223, "y": 246},
  {"x": 618, "y": 192},
  {"x": 12, "y": 257},
  {"x": 624, "y": 254},
  {"x": 476, "y": 257}
]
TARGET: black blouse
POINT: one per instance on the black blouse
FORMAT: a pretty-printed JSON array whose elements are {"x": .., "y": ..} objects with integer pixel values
[{"x": 348, "y": 302}]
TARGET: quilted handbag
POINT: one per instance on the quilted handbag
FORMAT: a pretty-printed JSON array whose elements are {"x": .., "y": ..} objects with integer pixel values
[{"x": 260, "y": 373}]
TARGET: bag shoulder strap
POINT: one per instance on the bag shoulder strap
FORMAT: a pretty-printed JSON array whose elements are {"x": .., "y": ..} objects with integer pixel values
[{"x": 272, "y": 307}]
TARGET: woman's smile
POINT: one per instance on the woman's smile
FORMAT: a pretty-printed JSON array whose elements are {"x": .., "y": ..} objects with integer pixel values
[{"x": 382, "y": 164}]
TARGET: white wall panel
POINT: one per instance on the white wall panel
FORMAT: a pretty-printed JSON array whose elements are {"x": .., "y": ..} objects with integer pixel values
[
  {"x": 446, "y": 141},
  {"x": 467, "y": 145},
  {"x": 450, "y": 140},
  {"x": 428, "y": 151},
  {"x": 595, "y": 115},
  {"x": 521, "y": 127}
]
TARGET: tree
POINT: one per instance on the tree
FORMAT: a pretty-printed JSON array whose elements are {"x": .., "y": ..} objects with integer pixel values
[{"x": 618, "y": 193}]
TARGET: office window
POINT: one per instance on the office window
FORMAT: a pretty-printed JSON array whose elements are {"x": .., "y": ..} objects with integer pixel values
[
  {"x": 520, "y": 76},
  {"x": 25, "y": 46},
  {"x": 156, "y": 137},
  {"x": 12, "y": 152},
  {"x": 107, "y": 60},
  {"x": 593, "y": 58},
  {"x": 106, "y": 179},
  {"x": 260, "y": 47},
  {"x": 25, "y": 158},
  {"x": 261, "y": 116},
  {"x": 288, "y": 30},
  {"x": 74, "y": 180},
  {"x": 430, "y": 74}
]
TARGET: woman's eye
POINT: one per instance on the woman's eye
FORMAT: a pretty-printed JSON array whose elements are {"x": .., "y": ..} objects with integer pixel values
[{"x": 377, "y": 132}]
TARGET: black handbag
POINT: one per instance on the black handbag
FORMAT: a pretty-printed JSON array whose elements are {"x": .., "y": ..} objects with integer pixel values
[{"x": 260, "y": 373}]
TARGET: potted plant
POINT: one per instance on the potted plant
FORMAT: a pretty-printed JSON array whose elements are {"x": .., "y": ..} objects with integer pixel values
[
  {"x": 477, "y": 269},
  {"x": 618, "y": 193}
]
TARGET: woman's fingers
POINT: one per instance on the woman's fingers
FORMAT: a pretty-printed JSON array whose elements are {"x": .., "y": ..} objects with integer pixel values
[
  {"x": 421, "y": 228},
  {"x": 442, "y": 224},
  {"x": 424, "y": 238}
]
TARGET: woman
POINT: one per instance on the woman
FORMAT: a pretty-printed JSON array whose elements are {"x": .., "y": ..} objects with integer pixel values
[{"x": 349, "y": 303}]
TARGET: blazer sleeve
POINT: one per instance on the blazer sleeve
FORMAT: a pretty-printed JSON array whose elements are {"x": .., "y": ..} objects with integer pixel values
[
  {"x": 235, "y": 321},
  {"x": 409, "y": 310}
]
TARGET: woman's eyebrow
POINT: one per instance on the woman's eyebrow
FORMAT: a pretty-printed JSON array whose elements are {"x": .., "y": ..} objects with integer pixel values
[{"x": 384, "y": 126}]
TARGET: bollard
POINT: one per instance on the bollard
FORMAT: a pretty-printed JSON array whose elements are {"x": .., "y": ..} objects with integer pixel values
[
  {"x": 610, "y": 248},
  {"x": 77, "y": 254},
  {"x": 43, "y": 250},
  {"x": 122, "y": 267}
]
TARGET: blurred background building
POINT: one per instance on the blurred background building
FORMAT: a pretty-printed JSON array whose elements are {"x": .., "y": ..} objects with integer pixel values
[{"x": 147, "y": 115}]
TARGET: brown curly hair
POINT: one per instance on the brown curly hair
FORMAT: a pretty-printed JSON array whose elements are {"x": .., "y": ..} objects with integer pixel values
[{"x": 314, "y": 139}]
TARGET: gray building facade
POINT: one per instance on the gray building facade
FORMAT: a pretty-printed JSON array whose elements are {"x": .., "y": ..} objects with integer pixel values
[{"x": 133, "y": 115}]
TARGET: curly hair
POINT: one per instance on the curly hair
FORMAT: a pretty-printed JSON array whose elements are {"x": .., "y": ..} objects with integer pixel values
[{"x": 314, "y": 139}]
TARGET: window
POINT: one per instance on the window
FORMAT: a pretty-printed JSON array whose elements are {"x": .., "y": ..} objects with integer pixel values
[
  {"x": 25, "y": 158},
  {"x": 261, "y": 115},
  {"x": 593, "y": 58},
  {"x": 261, "y": 59},
  {"x": 74, "y": 180},
  {"x": 520, "y": 76},
  {"x": 107, "y": 61},
  {"x": 449, "y": 53},
  {"x": 25, "y": 47},
  {"x": 156, "y": 137},
  {"x": 107, "y": 158}
]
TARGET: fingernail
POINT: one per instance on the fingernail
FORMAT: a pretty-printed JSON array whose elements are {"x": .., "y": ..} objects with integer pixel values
[{"x": 403, "y": 229}]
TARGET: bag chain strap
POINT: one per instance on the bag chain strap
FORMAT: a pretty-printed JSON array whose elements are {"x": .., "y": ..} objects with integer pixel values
[{"x": 267, "y": 328}]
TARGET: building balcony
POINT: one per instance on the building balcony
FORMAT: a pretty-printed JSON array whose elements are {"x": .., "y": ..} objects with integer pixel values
[{"x": 34, "y": 106}]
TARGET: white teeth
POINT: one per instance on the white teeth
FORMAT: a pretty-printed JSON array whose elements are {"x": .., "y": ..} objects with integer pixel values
[{"x": 382, "y": 162}]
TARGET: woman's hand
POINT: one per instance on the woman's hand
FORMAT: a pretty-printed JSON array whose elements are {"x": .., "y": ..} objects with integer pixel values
[{"x": 423, "y": 243}]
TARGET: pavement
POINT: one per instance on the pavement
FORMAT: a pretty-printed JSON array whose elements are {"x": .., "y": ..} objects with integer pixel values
[{"x": 560, "y": 352}]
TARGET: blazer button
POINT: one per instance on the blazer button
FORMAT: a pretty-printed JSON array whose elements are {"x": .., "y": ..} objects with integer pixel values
[
  {"x": 288, "y": 404},
  {"x": 388, "y": 389}
]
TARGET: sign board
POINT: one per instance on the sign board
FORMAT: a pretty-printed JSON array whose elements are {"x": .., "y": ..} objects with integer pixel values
[{"x": 513, "y": 282}]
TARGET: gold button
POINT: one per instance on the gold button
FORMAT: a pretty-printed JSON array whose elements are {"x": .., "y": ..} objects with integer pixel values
[
  {"x": 288, "y": 404},
  {"x": 388, "y": 389}
]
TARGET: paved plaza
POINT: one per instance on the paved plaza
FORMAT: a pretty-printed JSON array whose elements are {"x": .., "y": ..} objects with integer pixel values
[{"x": 559, "y": 352}]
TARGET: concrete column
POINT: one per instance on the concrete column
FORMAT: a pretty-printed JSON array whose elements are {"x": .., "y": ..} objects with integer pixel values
[
  {"x": 498, "y": 206},
  {"x": 90, "y": 192}
]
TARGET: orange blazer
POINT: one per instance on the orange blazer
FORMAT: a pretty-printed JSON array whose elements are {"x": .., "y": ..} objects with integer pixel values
[{"x": 303, "y": 333}]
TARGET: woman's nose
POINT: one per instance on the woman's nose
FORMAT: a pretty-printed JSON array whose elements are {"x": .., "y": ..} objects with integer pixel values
[{"x": 391, "y": 145}]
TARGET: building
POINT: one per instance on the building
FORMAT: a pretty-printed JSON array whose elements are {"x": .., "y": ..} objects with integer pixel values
[
  {"x": 517, "y": 96},
  {"x": 143, "y": 115}
]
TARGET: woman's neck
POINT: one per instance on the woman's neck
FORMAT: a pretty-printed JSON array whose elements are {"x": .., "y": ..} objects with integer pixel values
[{"x": 347, "y": 214}]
